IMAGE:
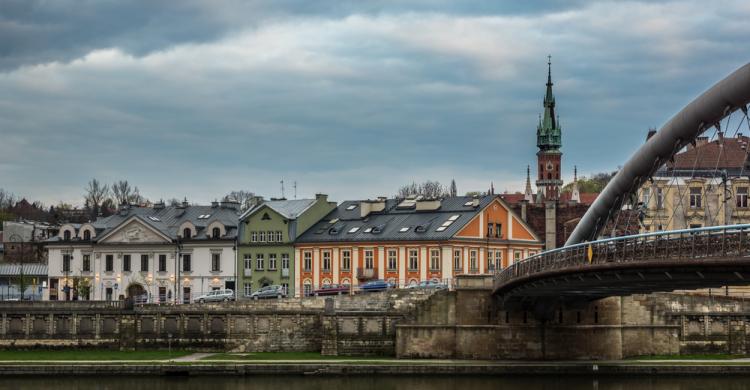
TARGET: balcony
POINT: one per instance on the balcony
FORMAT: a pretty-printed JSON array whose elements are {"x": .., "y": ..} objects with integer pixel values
[
  {"x": 285, "y": 272},
  {"x": 365, "y": 273}
]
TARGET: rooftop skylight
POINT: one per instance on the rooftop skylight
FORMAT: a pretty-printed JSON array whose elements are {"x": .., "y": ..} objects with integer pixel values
[
  {"x": 403, "y": 229},
  {"x": 441, "y": 228},
  {"x": 351, "y": 207},
  {"x": 353, "y": 230}
]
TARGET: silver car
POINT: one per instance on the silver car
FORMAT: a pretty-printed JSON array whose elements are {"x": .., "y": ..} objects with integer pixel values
[
  {"x": 216, "y": 296},
  {"x": 274, "y": 291}
]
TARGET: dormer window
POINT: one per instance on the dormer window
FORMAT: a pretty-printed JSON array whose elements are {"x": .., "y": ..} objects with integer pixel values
[
  {"x": 186, "y": 233},
  {"x": 266, "y": 217},
  {"x": 66, "y": 235},
  {"x": 86, "y": 235},
  {"x": 216, "y": 232}
]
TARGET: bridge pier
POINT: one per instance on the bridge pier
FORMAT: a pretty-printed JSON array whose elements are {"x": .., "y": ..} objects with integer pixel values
[{"x": 482, "y": 327}]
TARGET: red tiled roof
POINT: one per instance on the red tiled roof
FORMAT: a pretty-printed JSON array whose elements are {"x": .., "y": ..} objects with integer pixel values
[
  {"x": 718, "y": 154},
  {"x": 586, "y": 198},
  {"x": 512, "y": 198}
]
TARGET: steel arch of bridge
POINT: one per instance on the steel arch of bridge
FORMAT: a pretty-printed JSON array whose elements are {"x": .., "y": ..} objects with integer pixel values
[{"x": 706, "y": 111}]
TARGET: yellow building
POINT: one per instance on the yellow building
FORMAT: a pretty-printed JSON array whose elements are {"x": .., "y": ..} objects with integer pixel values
[{"x": 706, "y": 185}]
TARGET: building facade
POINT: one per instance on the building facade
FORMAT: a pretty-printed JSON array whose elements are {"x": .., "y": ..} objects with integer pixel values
[
  {"x": 266, "y": 241},
  {"x": 155, "y": 254},
  {"x": 406, "y": 241},
  {"x": 706, "y": 185}
]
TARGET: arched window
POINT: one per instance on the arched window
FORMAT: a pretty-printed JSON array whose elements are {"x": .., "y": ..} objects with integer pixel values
[
  {"x": 66, "y": 235},
  {"x": 86, "y": 235},
  {"x": 186, "y": 233},
  {"x": 216, "y": 232}
]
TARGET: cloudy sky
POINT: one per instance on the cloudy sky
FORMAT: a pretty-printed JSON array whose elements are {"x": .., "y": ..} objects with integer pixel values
[{"x": 197, "y": 98}]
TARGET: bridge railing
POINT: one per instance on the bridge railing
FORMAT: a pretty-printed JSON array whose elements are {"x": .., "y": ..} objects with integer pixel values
[{"x": 685, "y": 244}]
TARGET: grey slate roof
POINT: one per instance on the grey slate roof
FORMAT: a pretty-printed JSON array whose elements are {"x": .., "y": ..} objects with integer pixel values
[
  {"x": 31, "y": 269},
  {"x": 169, "y": 220},
  {"x": 388, "y": 223},
  {"x": 289, "y": 209}
]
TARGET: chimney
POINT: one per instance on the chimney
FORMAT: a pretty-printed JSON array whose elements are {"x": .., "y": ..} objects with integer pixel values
[
  {"x": 370, "y": 206},
  {"x": 475, "y": 202},
  {"x": 124, "y": 209},
  {"x": 321, "y": 198},
  {"x": 214, "y": 204},
  {"x": 428, "y": 204},
  {"x": 524, "y": 204},
  {"x": 185, "y": 203},
  {"x": 159, "y": 205}
]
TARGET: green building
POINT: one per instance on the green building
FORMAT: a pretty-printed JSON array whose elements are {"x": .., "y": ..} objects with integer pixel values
[{"x": 266, "y": 241}]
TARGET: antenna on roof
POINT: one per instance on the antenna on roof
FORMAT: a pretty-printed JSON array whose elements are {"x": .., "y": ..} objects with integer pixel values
[
  {"x": 295, "y": 189},
  {"x": 282, "y": 188}
]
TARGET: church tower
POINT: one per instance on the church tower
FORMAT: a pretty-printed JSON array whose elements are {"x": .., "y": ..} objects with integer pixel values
[{"x": 549, "y": 141}]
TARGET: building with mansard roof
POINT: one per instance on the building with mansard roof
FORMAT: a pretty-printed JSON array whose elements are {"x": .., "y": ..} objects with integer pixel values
[{"x": 156, "y": 254}]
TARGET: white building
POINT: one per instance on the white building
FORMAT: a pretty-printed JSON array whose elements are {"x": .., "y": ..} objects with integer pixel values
[{"x": 159, "y": 253}]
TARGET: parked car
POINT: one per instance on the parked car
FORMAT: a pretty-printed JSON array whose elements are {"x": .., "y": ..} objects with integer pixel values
[
  {"x": 428, "y": 284},
  {"x": 216, "y": 296},
  {"x": 332, "y": 289},
  {"x": 275, "y": 291},
  {"x": 376, "y": 285}
]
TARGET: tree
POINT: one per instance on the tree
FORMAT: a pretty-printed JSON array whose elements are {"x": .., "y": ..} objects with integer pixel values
[
  {"x": 428, "y": 189},
  {"x": 595, "y": 184},
  {"x": 96, "y": 193},
  {"x": 453, "y": 190},
  {"x": 7, "y": 199},
  {"x": 122, "y": 192},
  {"x": 247, "y": 199}
]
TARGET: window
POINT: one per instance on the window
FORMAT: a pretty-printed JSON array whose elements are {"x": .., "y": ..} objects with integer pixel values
[
  {"x": 261, "y": 236},
  {"x": 285, "y": 261},
  {"x": 254, "y": 237},
  {"x": 307, "y": 288},
  {"x": 499, "y": 259},
  {"x": 259, "y": 261},
  {"x": 186, "y": 233},
  {"x": 86, "y": 263},
  {"x": 272, "y": 261},
  {"x": 498, "y": 230},
  {"x": 279, "y": 236},
  {"x": 248, "y": 261},
  {"x": 695, "y": 226},
  {"x": 517, "y": 256},
  {"x": 266, "y": 217},
  {"x": 144, "y": 263},
  {"x": 490, "y": 229},
  {"x": 346, "y": 260},
  {"x": 413, "y": 260},
  {"x": 86, "y": 235},
  {"x": 457, "y": 263},
  {"x": 695, "y": 197},
  {"x": 659, "y": 198},
  {"x": 307, "y": 263},
  {"x": 216, "y": 232},
  {"x": 126, "y": 263},
  {"x": 435, "y": 259},
  {"x": 109, "y": 263},
  {"x": 646, "y": 196},
  {"x": 248, "y": 287},
  {"x": 215, "y": 262},
  {"x": 66, "y": 235},
  {"x": 186, "y": 266},
  {"x": 326, "y": 261},
  {"x": 742, "y": 197},
  {"x": 369, "y": 259},
  {"x": 392, "y": 260},
  {"x": 490, "y": 261},
  {"x": 473, "y": 260},
  {"x": 162, "y": 263},
  {"x": 285, "y": 288},
  {"x": 270, "y": 236},
  {"x": 66, "y": 263}
]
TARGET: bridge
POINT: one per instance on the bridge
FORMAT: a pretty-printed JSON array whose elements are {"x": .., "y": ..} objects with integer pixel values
[{"x": 588, "y": 268}]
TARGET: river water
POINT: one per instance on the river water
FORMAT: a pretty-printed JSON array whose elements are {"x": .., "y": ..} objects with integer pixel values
[{"x": 380, "y": 383}]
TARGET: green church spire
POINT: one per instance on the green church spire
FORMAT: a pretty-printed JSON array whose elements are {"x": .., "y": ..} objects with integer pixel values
[{"x": 548, "y": 132}]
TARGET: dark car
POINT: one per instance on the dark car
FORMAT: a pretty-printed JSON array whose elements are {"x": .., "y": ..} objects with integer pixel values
[
  {"x": 274, "y": 291},
  {"x": 375, "y": 285},
  {"x": 332, "y": 289}
]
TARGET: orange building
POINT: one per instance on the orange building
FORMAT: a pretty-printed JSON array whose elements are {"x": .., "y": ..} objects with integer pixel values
[{"x": 405, "y": 241}]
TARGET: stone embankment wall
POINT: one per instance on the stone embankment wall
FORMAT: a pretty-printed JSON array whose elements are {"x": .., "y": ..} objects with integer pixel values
[
  {"x": 358, "y": 325},
  {"x": 469, "y": 324}
]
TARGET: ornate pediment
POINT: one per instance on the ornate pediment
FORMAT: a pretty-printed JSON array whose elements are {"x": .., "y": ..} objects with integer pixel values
[{"x": 134, "y": 232}]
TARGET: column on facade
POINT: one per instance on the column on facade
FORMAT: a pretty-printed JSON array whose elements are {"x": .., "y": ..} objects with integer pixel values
[
  {"x": 354, "y": 266},
  {"x": 423, "y": 262},
  {"x": 381, "y": 262},
  {"x": 401, "y": 265},
  {"x": 297, "y": 272},
  {"x": 335, "y": 265}
]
